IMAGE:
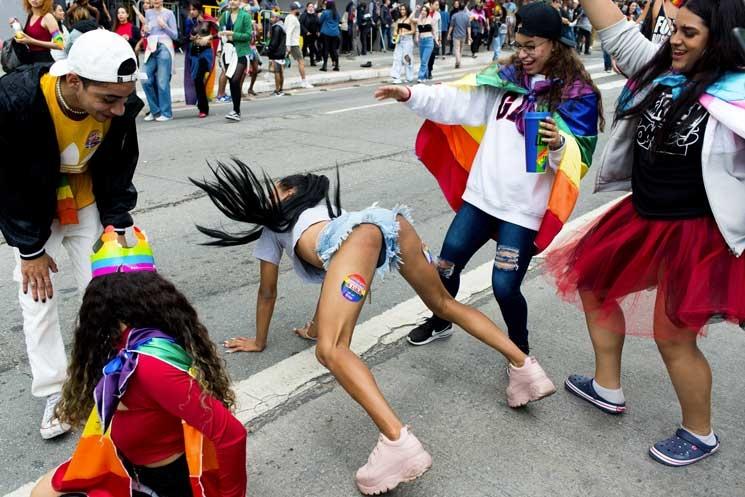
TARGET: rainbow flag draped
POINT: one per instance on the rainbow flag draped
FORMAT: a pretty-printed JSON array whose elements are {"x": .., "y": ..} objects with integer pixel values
[
  {"x": 448, "y": 151},
  {"x": 95, "y": 467},
  {"x": 190, "y": 91}
]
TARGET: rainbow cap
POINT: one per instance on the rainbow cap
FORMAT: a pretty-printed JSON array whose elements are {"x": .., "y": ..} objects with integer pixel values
[{"x": 110, "y": 257}]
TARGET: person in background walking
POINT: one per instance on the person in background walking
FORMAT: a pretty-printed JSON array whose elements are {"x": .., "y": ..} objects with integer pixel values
[
  {"x": 292, "y": 29},
  {"x": 125, "y": 28},
  {"x": 277, "y": 51},
  {"x": 160, "y": 27},
  {"x": 236, "y": 29},
  {"x": 104, "y": 17},
  {"x": 365, "y": 25},
  {"x": 500, "y": 31},
  {"x": 444, "y": 26},
  {"x": 583, "y": 30},
  {"x": 346, "y": 33},
  {"x": 41, "y": 33},
  {"x": 312, "y": 27},
  {"x": 330, "y": 34},
  {"x": 510, "y": 9},
  {"x": 403, "y": 56},
  {"x": 460, "y": 30},
  {"x": 59, "y": 14},
  {"x": 82, "y": 9},
  {"x": 200, "y": 57},
  {"x": 386, "y": 21},
  {"x": 479, "y": 28},
  {"x": 436, "y": 35},
  {"x": 425, "y": 38}
]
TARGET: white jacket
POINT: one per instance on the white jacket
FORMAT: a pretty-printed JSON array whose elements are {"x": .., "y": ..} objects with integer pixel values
[
  {"x": 498, "y": 183},
  {"x": 722, "y": 159}
]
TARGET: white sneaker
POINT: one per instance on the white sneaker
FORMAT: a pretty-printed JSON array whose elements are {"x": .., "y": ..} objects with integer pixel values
[
  {"x": 396, "y": 81},
  {"x": 149, "y": 117},
  {"x": 233, "y": 116},
  {"x": 305, "y": 84},
  {"x": 50, "y": 425},
  {"x": 162, "y": 119},
  {"x": 279, "y": 94}
]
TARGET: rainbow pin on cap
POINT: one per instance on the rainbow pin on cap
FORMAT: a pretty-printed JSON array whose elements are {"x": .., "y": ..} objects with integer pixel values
[{"x": 110, "y": 257}]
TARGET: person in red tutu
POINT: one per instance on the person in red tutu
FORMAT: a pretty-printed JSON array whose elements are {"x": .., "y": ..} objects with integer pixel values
[{"x": 677, "y": 144}]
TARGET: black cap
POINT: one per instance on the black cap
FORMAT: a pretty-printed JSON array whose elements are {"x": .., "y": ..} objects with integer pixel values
[{"x": 540, "y": 19}]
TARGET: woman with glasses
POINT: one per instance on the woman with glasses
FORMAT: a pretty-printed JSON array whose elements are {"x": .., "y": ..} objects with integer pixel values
[{"x": 500, "y": 200}]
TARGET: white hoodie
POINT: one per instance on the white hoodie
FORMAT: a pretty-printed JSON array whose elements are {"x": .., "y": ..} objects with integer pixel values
[{"x": 498, "y": 183}]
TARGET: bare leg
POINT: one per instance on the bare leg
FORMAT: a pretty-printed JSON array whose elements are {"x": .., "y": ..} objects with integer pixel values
[
  {"x": 688, "y": 369},
  {"x": 608, "y": 345},
  {"x": 425, "y": 280},
  {"x": 301, "y": 68},
  {"x": 337, "y": 317},
  {"x": 44, "y": 487},
  {"x": 222, "y": 82},
  {"x": 254, "y": 74}
]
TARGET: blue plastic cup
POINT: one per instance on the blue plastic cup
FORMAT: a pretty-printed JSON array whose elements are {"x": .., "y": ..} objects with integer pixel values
[{"x": 536, "y": 150}]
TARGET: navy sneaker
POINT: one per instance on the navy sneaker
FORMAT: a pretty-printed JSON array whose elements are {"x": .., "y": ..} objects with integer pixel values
[
  {"x": 581, "y": 386},
  {"x": 681, "y": 449}
]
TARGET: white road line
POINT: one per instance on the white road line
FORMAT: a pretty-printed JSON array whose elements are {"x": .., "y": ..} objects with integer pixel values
[
  {"x": 612, "y": 85},
  {"x": 279, "y": 384},
  {"x": 592, "y": 67},
  {"x": 349, "y": 109},
  {"x": 601, "y": 75}
]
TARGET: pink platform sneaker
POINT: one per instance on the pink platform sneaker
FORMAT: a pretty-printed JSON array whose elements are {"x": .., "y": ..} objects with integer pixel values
[
  {"x": 528, "y": 383},
  {"x": 393, "y": 462}
]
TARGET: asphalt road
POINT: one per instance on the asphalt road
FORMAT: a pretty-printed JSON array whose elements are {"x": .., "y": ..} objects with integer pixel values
[{"x": 372, "y": 146}]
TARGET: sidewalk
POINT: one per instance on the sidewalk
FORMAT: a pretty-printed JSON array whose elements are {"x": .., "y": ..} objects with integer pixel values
[{"x": 350, "y": 70}]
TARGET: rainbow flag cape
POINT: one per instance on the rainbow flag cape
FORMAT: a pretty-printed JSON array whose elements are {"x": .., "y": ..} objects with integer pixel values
[
  {"x": 96, "y": 468},
  {"x": 448, "y": 151}
]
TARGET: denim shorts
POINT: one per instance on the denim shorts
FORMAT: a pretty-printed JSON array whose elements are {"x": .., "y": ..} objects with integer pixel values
[{"x": 334, "y": 234}]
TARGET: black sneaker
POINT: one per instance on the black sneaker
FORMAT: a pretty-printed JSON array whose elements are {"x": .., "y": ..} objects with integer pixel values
[{"x": 433, "y": 328}]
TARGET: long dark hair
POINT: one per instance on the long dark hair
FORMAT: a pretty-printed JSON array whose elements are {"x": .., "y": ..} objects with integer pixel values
[
  {"x": 721, "y": 54},
  {"x": 139, "y": 300},
  {"x": 239, "y": 194},
  {"x": 332, "y": 7},
  {"x": 565, "y": 66}
]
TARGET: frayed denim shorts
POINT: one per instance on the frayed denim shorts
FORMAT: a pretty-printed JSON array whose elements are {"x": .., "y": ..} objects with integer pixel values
[{"x": 334, "y": 234}]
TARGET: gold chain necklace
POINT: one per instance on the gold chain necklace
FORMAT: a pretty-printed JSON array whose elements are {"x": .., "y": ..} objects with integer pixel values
[{"x": 65, "y": 106}]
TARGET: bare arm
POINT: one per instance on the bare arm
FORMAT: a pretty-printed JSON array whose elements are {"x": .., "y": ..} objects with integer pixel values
[
  {"x": 265, "y": 300},
  {"x": 602, "y": 13}
]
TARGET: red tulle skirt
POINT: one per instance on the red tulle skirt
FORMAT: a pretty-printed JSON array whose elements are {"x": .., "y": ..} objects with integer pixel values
[{"x": 618, "y": 261}]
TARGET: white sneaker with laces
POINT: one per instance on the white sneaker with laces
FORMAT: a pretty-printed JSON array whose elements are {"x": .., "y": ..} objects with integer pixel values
[
  {"x": 162, "y": 119},
  {"x": 306, "y": 84},
  {"x": 233, "y": 116},
  {"x": 149, "y": 117},
  {"x": 50, "y": 425},
  {"x": 396, "y": 81}
]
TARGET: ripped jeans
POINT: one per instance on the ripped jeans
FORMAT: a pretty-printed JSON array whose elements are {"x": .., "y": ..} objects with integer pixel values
[{"x": 470, "y": 230}]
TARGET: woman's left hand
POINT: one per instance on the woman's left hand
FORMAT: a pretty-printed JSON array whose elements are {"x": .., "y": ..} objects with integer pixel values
[
  {"x": 242, "y": 344},
  {"x": 550, "y": 134}
]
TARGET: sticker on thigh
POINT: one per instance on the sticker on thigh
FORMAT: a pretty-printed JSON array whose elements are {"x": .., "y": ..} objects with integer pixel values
[{"x": 354, "y": 287}]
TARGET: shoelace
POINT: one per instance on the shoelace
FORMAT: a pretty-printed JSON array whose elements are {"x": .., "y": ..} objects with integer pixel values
[{"x": 49, "y": 408}]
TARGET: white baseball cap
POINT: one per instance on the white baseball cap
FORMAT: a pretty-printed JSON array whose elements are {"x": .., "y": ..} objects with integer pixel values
[{"x": 100, "y": 56}]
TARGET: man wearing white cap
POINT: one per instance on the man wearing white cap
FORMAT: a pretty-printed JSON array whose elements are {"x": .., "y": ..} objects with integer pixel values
[
  {"x": 292, "y": 27},
  {"x": 69, "y": 153}
]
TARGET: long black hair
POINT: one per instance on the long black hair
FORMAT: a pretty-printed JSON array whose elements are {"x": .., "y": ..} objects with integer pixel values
[
  {"x": 242, "y": 196},
  {"x": 138, "y": 300},
  {"x": 720, "y": 55}
]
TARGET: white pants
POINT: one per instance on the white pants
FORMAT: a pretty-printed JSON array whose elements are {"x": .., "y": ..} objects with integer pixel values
[
  {"x": 44, "y": 346},
  {"x": 404, "y": 47},
  {"x": 458, "y": 49}
]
